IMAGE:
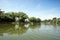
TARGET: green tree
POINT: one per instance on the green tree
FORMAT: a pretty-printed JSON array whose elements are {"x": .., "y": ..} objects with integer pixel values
[
  {"x": 9, "y": 17},
  {"x": 22, "y": 16},
  {"x": 38, "y": 20},
  {"x": 35, "y": 20},
  {"x": 32, "y": 19}
]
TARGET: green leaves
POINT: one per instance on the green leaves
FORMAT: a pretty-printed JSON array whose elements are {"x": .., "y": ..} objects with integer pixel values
[
  {"x": 34, "y": 20},
  {"x": 21, "y": 16}
]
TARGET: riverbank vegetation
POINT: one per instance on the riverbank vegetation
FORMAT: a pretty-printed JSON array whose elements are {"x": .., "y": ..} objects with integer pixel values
[
  {"x": 8, "y": 17},
  {"x": 52, "y": 21},
  {"x": 17, "y": 16}
]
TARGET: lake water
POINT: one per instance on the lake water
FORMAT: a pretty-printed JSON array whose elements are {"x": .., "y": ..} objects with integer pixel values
[{"x": 29, "y": 32}]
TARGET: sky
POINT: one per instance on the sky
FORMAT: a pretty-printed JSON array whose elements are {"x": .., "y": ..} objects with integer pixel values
[{"x": 44, "y": 9}]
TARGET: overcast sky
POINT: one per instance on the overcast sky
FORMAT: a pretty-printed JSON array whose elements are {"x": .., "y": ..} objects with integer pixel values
[{"x": 44, "y": 9}]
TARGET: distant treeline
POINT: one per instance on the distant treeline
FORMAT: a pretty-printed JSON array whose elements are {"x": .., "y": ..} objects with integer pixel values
[{"x": 52, "y": 21}]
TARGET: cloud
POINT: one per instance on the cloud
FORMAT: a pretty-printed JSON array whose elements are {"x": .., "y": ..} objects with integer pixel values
[{"x": 31, "y": 7}]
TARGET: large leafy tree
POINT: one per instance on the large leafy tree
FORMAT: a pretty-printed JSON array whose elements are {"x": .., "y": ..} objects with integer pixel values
[
  {"x": 8, "y": 17},
  {"x": 34, "y": 20},
  {"x": 38, "y": 20},
  {"x": 22, "y": 16}
]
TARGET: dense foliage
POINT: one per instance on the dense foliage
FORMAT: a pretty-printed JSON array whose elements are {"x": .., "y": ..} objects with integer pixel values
[
  {"x": 52, "y": 21},
  {"x": 35, "y": 20},
  {"x": 11, "y": 17},
  {"x": 22, "y": 17}
]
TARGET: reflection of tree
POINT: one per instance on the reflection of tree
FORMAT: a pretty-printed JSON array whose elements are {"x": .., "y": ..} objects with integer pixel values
[
  {"x": 10, "y": 28},
  {"x": 51, "y": 24},
  {"x": 21, "y": 29},
  {"x": 34, "y": 26},
  {"x": 5, "y": 27},
  {"x": 58, "y": 25}
]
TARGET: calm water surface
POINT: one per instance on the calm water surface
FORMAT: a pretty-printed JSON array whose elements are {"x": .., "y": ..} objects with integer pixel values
[{"x": 29, "y": 32}]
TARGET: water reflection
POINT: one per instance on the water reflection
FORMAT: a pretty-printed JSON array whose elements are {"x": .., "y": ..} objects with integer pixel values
[
  {"x": 5, "y": 27},
  {"x": 17, "y": 28},
  {"x": 52, "y": 24},
  {"x": 51, "y": 27},
  {"x": 34, "y": 26},
  {"x": 29, "y": 31}
]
